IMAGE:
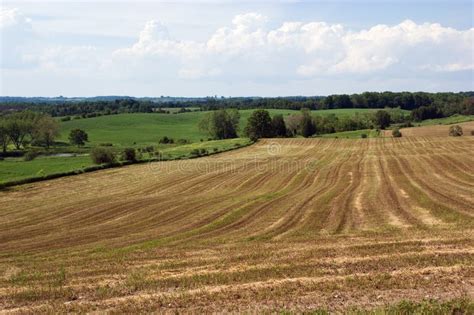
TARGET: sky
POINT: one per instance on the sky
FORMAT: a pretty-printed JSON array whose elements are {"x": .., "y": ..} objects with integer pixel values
[{"x": 234, "y": 48}]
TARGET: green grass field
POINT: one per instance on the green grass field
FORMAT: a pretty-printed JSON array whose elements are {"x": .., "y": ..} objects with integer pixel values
[
  {"x": 16, "y": 168},
  {"x": 446, "y": 121},
  {"x": 355, "y": 134},
  {"x": 146, "y": 129}
]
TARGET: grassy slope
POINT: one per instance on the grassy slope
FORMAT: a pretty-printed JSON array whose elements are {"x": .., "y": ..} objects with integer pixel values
[
  {"x": 355, "y": 134},
  {"x": 16, "y": 168},
  {"x": 146, "y": 129},
  {"x": 447, "y": 120}
]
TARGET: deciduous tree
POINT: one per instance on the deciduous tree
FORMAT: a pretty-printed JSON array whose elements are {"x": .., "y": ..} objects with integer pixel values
[
  {"x": 278, "y": 126},
  {"x": 78, "y": 137},
  {"x": 259, "y": 125},
  {"x": 382, "y": 119},
  {"x": 46, "y": 130}
]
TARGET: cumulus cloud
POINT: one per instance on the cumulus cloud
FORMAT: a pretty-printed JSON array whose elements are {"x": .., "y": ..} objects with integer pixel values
[
  {"x": 296, "y": 49},
  {"x": 249, "y": 51}
]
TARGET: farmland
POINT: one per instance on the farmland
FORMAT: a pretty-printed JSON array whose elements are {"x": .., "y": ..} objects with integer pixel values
[
  {"x": 438, "y": 130},
  {"x": 14, "y": 169},
  {"x": 138, "y": 130},
  {"x": 146, "y": 129},
  {"x": 284, "y": 224}
]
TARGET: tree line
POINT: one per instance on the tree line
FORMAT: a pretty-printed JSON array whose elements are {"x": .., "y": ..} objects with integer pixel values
[
  {"x": 82, "y": 109},
  {"x": 427, "y": 105},
  {"x": 224, "y": 123},
  {"x": 24, "y": 128},
  {"x": 27, "y": 128},
  {"x": 446, "y": 104}
]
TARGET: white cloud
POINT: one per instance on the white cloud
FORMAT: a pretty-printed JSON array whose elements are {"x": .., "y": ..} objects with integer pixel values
[
  {"x": 249, "y": 51},
  {"x": 313, "y": 49},
  {"x": 67, "y": 60}
]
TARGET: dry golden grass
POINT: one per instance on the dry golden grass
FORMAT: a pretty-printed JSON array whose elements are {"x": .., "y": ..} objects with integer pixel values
[
  {"x": 433, "y": 131},
  {"x": 293, "y": 224}
]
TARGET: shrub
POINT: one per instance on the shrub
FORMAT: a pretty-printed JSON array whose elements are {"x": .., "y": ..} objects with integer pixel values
[
  {"x": 102, "y": 155},
  {"x": 455, "y": 131},
  {"x": 66, "y": 118},
  {"x": 215, "y": 149},
  {"x": 203, "y": 152},
  {"x": 237, "y": 145},
  {"x": 106, "y": 144},
  {"x": 148, "y": 149},
  {"x": 396, "y": 133},
  {"x": 363, "y": 136},
  {"x": 195, "y": 152},
  {"x": 182, "y": 141},
  {"x": 31, "y": 155},
  {"x": 166, "y": 140},
  {"x": 129, "y": 154}
]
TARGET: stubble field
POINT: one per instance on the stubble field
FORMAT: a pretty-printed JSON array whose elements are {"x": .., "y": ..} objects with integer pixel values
[{"x": 289, "y": 224}]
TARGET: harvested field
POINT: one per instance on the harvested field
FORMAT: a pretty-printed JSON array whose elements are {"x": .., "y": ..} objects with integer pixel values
[
  {"x": 433, "y": 131},
  {"x": 290, "y": 224}
]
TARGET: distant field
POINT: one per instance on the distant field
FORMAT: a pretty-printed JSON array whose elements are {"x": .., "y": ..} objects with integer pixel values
[
  {"x": 285, "y": 225},
  {"x": 355, "y": 134},
  {"x": 147, "y": 129},
  {"x": 434, "y": 130},
  {"x": 447, "y": 120}
]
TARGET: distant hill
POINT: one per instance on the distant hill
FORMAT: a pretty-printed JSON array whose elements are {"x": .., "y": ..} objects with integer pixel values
[{"x": 160, "y": 99}]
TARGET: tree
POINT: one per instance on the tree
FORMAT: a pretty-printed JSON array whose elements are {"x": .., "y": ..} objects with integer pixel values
[
  {"x": 224, "y": 125},
  {"x": 46, "y": 130},
  {"x": 382, "y": 119},
  {"x": 455, "y": 131},
  {"x": 78, "y": 137},
  {"x": 4, "y": 137},
  {"x": 259, "y": 125},
  {"x": 308, "y": 128},
  {"x": 293, "y": 123},
  {"x": 425, "y": 112},
  {"x": 18, "y": 129},
  {"x": 221, "y": 124},
  {"x": 278, "y": 126}
]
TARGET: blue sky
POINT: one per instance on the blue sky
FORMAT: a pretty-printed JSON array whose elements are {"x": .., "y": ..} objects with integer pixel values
[{"x": 234, "y": 48}]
